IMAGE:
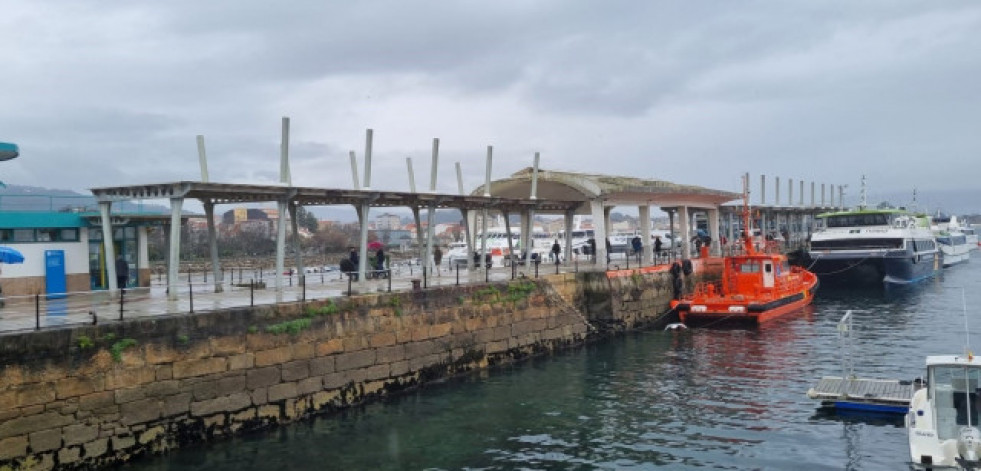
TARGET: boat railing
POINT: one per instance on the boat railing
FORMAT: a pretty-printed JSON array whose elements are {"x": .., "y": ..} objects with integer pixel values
[{"x": 708, "y": 288}]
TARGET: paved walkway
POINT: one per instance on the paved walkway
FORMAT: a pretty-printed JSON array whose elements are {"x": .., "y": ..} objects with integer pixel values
[{"x": 27, "y": 313}]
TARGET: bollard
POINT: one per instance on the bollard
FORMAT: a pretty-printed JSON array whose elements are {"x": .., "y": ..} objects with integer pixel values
[
  {"x": 349, "y": 278},
  {"x": 122, "y": 295},
  {"x": 556, "y": 265},
  {"x": 321, "y": 277},
  {"x": 205, "y": 275},
  {"x": 389, "y": 273},
  {"x": 303, "y": 282},
  {"x": 251, "y": 292},
  {"x": 536, "y": 268},
  {"x": 190, "y": 295},
  {"x": 458, "y": 274},
  {"x": 37, "y": 311},
  {"x": 486, "y": 273},
  {"x": 576, "y": 265},
  {"x": 425, "y": 283},
  {"x": 291, "y": 278}
]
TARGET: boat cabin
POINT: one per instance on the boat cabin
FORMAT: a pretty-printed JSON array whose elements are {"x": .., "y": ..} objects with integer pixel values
[{"x": 954, "y": 392}]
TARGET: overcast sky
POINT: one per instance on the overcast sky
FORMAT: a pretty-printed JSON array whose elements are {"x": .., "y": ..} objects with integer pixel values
[{"x": 113, "y": 93}]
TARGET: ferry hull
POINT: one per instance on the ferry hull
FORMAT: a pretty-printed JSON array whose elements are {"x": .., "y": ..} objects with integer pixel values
[{"x": 870, "y": 268}]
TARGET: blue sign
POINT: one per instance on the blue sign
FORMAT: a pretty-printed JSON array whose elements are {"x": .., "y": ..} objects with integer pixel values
[{"x": 54, "y": 274}]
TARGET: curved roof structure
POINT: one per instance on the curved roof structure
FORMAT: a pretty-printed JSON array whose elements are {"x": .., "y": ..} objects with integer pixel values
[{"x": 612, "y": 190}]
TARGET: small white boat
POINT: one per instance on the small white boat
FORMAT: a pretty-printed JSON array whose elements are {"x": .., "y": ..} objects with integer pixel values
[
  {"x": 952, "y": 240},
  {"x": 943, "y": 417}
]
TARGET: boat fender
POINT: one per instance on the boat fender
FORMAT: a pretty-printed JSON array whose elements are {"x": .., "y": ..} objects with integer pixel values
[
  {"x": 676, "y": 326},
  {"x": 675, "y": 269},
  {"x": 686, "y": 267}
]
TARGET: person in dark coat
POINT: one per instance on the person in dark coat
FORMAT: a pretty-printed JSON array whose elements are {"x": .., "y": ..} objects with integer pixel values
[
  {"x": 657, "y": 248},
  {"x": 437, "y": 258},
  {"x": 556, "y": 250},
  {"x": 122, "y": 272},
  {"x": 380, "y": 260}
]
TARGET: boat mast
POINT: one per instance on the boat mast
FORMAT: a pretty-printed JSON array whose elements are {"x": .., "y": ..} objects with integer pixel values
[{"x": 747, "y": 225}]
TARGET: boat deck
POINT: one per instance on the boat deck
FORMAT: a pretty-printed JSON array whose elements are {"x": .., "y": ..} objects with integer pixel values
[{"x": 873, "y": 395}]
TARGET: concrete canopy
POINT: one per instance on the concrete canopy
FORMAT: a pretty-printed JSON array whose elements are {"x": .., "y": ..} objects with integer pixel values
[{"x": 611, "y": 190}]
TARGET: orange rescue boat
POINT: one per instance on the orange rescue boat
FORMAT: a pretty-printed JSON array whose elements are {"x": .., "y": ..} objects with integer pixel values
[{"x": 756, "y": 286}]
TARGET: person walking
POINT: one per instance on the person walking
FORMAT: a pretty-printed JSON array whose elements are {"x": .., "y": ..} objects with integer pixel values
[
  {"x": 380, "y": 262},
  {"x": 657, "y": 248},
  {"x": 122, "y": 272},
  {"x": 556, "y": 250},
  {"x": 437, "y": 258}
]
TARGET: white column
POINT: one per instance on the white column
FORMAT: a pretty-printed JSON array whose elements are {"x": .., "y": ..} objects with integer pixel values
[
  {"x": 300, "y": 269},
  {"x": 713, "y": 223},
  {"x": 525, "y": 229},
  {"x": 684, "y": 218},
  {"x": 280, "y": 246},
  {"x": 209, "y": 212},
  {"x": 109, "y": 250},
  {"x": 569, "y": 215},
  {"x": 430, "y": 233},
  {"x": 174, "y": 259},
  {"x": 363, "y": 245},
  {"x": 645, "y": 233},
  {"x": 599, "y": 230},
  {"x": 471, "y": 218}
]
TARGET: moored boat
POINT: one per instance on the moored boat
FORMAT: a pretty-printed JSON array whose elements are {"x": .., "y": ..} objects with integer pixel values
[
  {"x": 952, "y": 240},
  {"x": 755, "y": 287},
  {"x": 942, "y": 422}
]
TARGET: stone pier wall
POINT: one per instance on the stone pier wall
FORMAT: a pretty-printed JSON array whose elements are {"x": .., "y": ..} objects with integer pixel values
[{"x": 90, "y": 396}]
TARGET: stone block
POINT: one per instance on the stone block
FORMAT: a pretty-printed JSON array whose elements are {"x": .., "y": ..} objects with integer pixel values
[
  {"x": 231, "y": 384},
  {"x": 418, "y": 363},
  {"x": 420, "y": 333},
  {"x": 269, "y": 412},
  {"x": 162, "y": 388},
  {"x": 384, "y": 339},
  {"x": 419, "y": 349},
  {"x": 139, "y": 412},
  {"x": 33, "y": 423},
  {"x": 241, "y": 362},
  {"x": 76, "y": 434},
  {"x": 353, "y": 343},
  {"x": 440, "y": 330},
  {"x": 129, "y": 394},
  {"x": 296, "y": 370},
  {"x": 69, "y": 455},
  {"x": 336, "y": 380},
  {"x": 37, "y": 393},
  {"x": 309, "y": 385},
  {"x": 129, "y": 377},
  {"x": 13, "y": 447},
  {"x": 390, "y": 354},
  {"x": 259, "y": 396},
  {"x": 45, "y": 440},
  {"x": 176, "y": 404},
  {"x": 303, "y": 351},
  {"x": 78, "y": 386},
  {"x": 123, "y": 442},
  {"x": 156, "y": 353},
  {"x": 329, "y": 347},
  {"x": 231, "y": 403},
  {"x": 205, "y": 390},
  {"x": 354, "y": 360},
  {"x": 377, "y": 372},
  {"x": 227, "y": 345},
  {"x": 96, "y": 448},
  {"x": 320, "y": 366},
  {"x": 399, "y": 368},
  {"x": 275, "y": 356},
  {"x": 165, "y": 372},
  {"x": 263, "y": 377},
  {"x": 96, "y": 401},
  {"x": 199, "y": 367},
  {"x": 282, "y": 391},
  {"x": 245, "y": 415}
]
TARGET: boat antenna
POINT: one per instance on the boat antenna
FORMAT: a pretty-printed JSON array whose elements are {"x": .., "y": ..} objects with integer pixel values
[
  {"x": 747, "y": 223},
  {"x": 967, "y": 333}
]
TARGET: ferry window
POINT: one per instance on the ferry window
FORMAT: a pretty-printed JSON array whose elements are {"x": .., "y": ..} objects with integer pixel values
[
  {"x": 768, "y": 268},
  {"x": 68, "y": 235},
  {"x": 23, "y": 235},
  {"x": 47, "y": 235},
  {"x": 749, "y": 267},
  {"x": 6, "y": 235}
]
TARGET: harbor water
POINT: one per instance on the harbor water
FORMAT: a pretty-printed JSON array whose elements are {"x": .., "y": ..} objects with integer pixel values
[{"x": 702, "y": 398}]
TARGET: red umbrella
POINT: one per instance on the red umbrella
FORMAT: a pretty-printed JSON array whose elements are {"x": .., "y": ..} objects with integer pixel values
[{"x": 374, "y": 245}]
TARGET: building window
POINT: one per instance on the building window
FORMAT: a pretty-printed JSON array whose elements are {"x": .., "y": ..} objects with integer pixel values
[{"x": 68, "y": 235}]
